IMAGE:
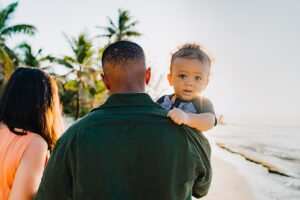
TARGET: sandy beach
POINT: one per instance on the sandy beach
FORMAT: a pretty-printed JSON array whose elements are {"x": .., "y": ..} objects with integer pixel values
[{"x": 227, "y": 183}]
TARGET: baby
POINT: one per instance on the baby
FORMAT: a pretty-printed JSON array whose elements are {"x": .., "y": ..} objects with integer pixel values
[{"x": 189, "y": 75}]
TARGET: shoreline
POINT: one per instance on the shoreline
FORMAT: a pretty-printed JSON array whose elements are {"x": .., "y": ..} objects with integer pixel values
[
  {"x": 227, "y": 183},
  {"x": 271, "y": 169},
  {"x": 263, "y": 167}
]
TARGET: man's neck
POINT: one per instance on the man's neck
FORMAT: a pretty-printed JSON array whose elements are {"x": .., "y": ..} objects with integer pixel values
[{"x": 127, "y": 89}]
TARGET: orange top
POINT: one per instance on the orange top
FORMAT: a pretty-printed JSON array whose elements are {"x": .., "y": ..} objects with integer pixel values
[{"x": 12, "y": 147}]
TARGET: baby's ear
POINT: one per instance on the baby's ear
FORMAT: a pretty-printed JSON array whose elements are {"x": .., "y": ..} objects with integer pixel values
[
  {"x": 169, "y": 77},
  {"x": 206, "y": 83}
]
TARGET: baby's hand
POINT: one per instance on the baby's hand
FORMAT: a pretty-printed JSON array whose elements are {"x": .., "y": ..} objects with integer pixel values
[{"x": 178, "y": 116}]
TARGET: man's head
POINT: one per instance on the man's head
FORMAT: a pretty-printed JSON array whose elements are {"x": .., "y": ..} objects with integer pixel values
[
  {"x": 124, "y": 68},
  {"x": 189, "y": 71}
]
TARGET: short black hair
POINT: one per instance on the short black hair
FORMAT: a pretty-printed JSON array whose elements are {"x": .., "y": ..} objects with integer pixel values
[{"x": 123, "y": 53}]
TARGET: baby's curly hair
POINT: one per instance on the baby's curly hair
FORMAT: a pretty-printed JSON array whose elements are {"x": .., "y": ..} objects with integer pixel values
[{"x": 191, "y": 51}]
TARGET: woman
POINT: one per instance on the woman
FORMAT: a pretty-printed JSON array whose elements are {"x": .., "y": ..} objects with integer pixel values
[{"x": 30, "y": 122}]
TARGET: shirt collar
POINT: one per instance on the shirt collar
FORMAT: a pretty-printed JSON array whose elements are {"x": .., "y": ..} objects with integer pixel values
[{"x": 128, "y": 99}]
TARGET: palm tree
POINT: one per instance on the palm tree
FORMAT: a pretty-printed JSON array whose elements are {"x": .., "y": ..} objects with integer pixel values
[
  {"x": 123, "y": 29},
  {"x": 8, "y": 59},
  {"x": 80, "y": 65},
  {"x": 6, "y": 66},
  {"x": 28, "y": 57}
]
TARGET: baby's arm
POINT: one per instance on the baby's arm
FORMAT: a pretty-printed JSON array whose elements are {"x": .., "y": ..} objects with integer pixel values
[{"x": 201, "y": 121}]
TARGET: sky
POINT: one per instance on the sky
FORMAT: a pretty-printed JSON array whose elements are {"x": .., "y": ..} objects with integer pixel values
[{"x": 254, "y": 45}]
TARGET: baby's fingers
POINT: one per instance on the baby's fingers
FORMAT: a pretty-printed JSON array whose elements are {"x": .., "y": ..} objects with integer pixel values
[
  {"x": 176, "y": 119},
  {"x": 171, "y": 112}
]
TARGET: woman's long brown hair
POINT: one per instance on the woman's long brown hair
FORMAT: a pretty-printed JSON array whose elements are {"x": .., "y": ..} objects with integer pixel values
[{"x": 30, "y": 102}]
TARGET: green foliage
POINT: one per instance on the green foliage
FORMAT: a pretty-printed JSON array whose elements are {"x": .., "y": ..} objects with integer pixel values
[
  {"x": 67, "y": 100},
  {"x": 91, "y": 96},
  {"x": 6, "y": 66},
  {"x": 8, "y": 59},
  {"x": 123, "y": 29},
  {"x": 81, "y": 88},
  {"x": 71, "y": 85},
  {"x": 62, "y": 61},
  {"x": 21, "y": 28},
  {"x": 82, "y": 80},
  {"x": 28, "y": 57},
  {"x": 5, "y": 14},
  {"x": 82, "y": 49}
]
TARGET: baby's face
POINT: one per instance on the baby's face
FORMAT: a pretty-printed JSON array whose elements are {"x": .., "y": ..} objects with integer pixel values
[{"x": 188, "y": 77}]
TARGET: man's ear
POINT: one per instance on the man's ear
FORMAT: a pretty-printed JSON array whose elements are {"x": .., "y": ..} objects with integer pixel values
[
  {"x": 169, "y": 77},
  {"x": 105, "y": 81},
  {"x": 148, "y": 76}
]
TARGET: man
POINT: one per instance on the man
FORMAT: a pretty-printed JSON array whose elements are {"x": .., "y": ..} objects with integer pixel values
[{"x": 127, "y": 148}]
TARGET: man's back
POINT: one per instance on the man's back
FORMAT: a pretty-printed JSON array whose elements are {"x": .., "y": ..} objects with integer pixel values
[{"x": 127, "y": 149}]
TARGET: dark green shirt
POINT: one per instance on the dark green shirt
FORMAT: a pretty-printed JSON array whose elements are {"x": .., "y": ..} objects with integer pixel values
[{"x": 127, "y": 149}]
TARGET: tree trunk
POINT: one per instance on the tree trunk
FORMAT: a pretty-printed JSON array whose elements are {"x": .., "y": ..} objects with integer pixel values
[
  {"x": 77, "y": 103},
  {"x": 78, "y": 96}
]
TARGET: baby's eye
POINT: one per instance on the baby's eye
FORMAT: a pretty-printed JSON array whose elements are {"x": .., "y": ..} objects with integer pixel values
[
  {"x": 197, "y": 78},
  {"x": 182, "y": 76}
]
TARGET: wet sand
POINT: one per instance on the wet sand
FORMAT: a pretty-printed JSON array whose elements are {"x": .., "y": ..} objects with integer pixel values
[{"x": 227, "y": 183}]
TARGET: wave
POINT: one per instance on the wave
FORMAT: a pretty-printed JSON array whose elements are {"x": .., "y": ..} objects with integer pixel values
[
  {"x": 272, "y": 169},
  {"x": 276, "y": 151}
]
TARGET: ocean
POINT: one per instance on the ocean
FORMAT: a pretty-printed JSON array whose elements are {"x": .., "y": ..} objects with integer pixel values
[{"x": 274, "y": 148}]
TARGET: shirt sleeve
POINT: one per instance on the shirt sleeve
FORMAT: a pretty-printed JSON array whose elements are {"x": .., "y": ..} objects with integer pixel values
[
  {"x": 207, "y": 106},
  {"x": 204, "y": 105},
  {"x": 204, "y": 170},
  {"x": 57, "y": 181},
  {"x": 160, "y": 100}
]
